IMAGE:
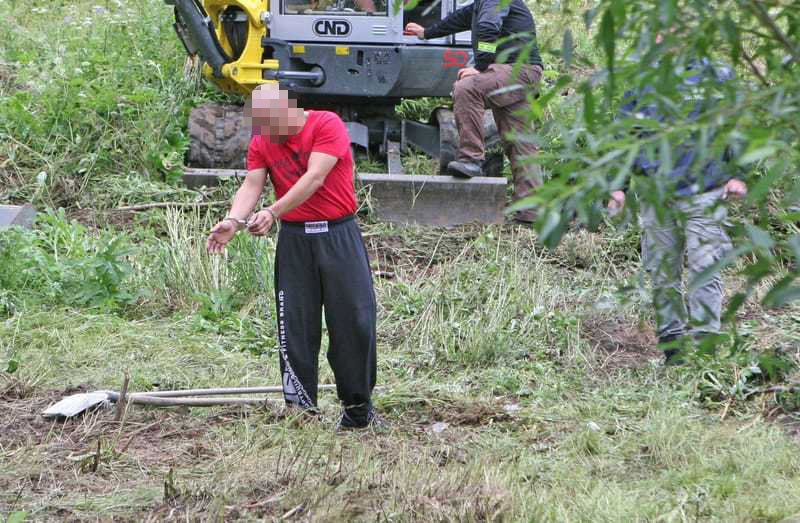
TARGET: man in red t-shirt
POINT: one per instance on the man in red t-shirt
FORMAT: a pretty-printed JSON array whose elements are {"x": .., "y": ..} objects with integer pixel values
[{"x": 321, "y": 261}]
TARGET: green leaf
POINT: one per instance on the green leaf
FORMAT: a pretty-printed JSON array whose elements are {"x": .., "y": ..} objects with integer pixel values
[
  {"x": 731, "y": 31},
  {"x": 667, "y": 12},
  {"x": 589, "y": 112},
  {"x": 734, "y": 304},
  {"x": 782, "y": 292},
  {"x": 608, "y": 39},
  {"x": 759, "y": 237},
  {"x": 765, "y": 183},
  {"x": 794, "y": 245},
  {"x": 17, "y": 517},
  {"x": 552, "y": 229},
  {"x": 12, "y": 366},
  {"x": 567, "y": 48},
  {"x": 774, "y": 365},
  {"x": 756, "y": 155}
]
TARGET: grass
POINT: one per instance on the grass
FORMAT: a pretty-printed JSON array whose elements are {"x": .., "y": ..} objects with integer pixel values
[
  {"x": 519, "y": 384},
  {"x": 505, "y": 400}
]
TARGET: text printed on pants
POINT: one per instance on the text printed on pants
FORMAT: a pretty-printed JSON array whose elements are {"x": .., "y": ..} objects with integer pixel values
[{"x": 316, "y": 227}]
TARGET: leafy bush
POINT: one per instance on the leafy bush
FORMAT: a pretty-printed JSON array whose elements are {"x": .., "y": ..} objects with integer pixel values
[
  {"x": 589, "y": 149},
  {"x": 61, "y": 262}
]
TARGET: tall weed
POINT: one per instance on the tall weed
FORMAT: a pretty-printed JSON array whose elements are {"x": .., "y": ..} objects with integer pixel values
[
  {"x": 186, "y": 272},
  {"x": 494, "y": 303}
]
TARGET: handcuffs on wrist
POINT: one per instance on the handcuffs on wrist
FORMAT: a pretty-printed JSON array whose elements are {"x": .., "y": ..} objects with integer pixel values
[{"x": 242, "y": 224}]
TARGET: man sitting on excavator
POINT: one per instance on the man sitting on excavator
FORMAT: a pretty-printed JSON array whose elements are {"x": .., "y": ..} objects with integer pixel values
[{"x": 498, "y": 29}]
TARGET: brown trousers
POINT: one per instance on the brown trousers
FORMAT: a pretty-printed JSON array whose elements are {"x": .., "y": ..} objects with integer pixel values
[{"x": 473, "y": 95}]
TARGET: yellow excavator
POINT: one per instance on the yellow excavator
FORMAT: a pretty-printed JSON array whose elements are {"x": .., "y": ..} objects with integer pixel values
[{"x": 348, "y": 56}]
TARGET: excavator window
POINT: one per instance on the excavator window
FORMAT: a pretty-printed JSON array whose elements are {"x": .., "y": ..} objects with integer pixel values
[
  {"x": 424, "y": 12},
  {"x": 344, "y": 7}
]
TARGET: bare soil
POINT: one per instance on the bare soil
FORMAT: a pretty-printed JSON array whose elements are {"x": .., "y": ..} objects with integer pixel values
[
  {"x": 416, "y": 256},
  {"x": 619, "y": 343}
]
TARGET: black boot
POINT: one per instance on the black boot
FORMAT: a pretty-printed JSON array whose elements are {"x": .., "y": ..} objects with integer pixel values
[
  {"x": 464, "y": 169},
  {"x": 673, "y": 347}
]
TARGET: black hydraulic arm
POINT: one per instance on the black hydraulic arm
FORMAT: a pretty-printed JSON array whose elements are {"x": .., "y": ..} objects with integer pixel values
[{"x": 196, "y": 30}]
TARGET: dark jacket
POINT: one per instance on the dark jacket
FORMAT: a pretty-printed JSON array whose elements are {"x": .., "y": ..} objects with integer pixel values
[
  {"x": 490, "y": 22},
  {"x": 688, "y": 178}
]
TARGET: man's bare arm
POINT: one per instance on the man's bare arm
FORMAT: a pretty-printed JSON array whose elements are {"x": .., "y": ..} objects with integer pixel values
[
  {"x": 246, "y": 198},
  {"x": 248, "y": 194},
  {"x": 319, "y": 165}
]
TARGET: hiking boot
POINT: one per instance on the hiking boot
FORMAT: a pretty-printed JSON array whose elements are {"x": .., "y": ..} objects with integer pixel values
[
  {"x": 527, "y": 218},
  {"x": 674, "y": 358},
  {"x": 674, "y": 350},
  {"x": 347, "y": 423},
  {"x": 461, "y": 169}
]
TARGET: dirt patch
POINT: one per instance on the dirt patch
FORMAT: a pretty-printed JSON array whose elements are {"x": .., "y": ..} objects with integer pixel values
[
  {"x": 8, "y": 77},
  {"x": 21, "y": 422},
  {"x": 472, "y": 414},
  {"x": 12, "y": 388},
  {"x": 94, "y": 219},
  {"x": 146, "y": 436},
  {"x": 51, "y": 460},
  {"x": 619, "y": 344},
  {"x": 417, "y": 254},
  {"x": 792, "y": 426}
]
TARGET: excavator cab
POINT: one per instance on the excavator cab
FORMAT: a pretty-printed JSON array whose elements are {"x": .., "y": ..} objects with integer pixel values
[{"x": 349, "y": 56}]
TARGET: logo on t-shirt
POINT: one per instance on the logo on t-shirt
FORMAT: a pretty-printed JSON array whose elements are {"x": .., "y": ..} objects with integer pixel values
[{"x": 291, "y": 164}]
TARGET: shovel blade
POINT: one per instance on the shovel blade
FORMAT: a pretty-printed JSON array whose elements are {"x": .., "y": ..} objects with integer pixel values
[{"x": 75, "y": 404}]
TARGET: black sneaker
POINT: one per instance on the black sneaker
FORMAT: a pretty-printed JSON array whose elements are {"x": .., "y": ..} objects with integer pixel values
[
  {"x": 464, "y": 169},
  {"x": 347, "y": 423}
]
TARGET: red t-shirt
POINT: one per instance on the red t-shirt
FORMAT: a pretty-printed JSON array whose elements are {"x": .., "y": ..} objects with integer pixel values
[{"x": 323, "y": 132}]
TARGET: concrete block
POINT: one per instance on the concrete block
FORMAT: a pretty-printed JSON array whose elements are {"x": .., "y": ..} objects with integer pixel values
[
  {"x": 195, "y": 178},
  {"x": 21, "y": 215},
  {"x": 440, "y": 201}
]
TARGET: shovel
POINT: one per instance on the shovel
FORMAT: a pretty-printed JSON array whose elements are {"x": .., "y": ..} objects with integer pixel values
[{"x": 78, "y": 403}]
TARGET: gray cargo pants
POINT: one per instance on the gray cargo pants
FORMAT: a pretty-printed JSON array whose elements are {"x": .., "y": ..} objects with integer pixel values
[{"x": 692, "y": 228}]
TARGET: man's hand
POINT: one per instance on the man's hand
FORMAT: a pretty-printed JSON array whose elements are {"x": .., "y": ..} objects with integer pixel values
[
  {"x": 261, "y": 222},
  {"x": 415, "y": 29},
  {"x": 220, "y": 235},
  {"x": 467, "y": 72},
  {"x": 734, "y": 189},
  {"x": 617, "y": 202}
]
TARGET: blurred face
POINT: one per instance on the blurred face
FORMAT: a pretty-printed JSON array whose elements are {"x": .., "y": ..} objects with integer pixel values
[{"x": 272, "y": 113}]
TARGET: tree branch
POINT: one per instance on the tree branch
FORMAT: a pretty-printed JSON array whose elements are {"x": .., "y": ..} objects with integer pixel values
[
  {"x": 754, "y": 67},
  {"x": 767, "y": 20},
  {"x": 159, "y": 205}
]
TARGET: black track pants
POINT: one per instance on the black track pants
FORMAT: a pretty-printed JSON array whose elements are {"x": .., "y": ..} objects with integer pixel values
[{"x": 325, "y": 264}]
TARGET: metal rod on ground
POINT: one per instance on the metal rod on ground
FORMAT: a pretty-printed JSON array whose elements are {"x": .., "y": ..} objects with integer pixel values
[
  {"x": 197, "y": 402},
  {"x": 77, "y": 403},
  {"x": 216, "y": 392}
]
